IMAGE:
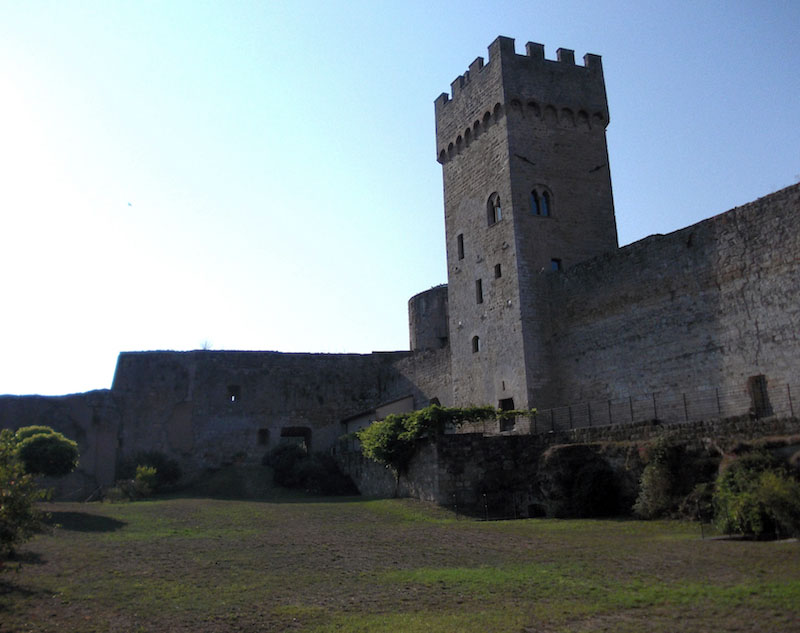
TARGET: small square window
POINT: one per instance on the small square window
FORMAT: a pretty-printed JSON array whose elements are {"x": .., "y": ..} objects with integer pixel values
[{"x": 555, "y": 265}]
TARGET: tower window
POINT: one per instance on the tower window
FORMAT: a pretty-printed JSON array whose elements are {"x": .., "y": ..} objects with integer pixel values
[
  {"x": 494, "y": 212},
  {"x": 498, "y": 271},
  {"x": 555, "y": 265},
  {"x": 476, "y": 344},
  {"x": 234, "y": 393},
  {"x": 460, "y": 240},
  {"x": 479, "y": 291},
  {"x": 541, "y": 202}
]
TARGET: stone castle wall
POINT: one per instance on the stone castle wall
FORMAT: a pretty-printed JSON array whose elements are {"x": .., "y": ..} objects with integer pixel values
[
  {"x": 207, "y": 409},
  {"x": 707, "y": 306},
  {"x": 92, "y": 419},
  {"x": 217, "y": 408}
]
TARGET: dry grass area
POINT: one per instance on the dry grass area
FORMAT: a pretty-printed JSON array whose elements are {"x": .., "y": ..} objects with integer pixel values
[{"x": 299, "y": 564}]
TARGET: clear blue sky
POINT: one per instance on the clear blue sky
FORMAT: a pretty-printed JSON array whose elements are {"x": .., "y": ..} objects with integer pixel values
[{"x": 262, "y": 175}]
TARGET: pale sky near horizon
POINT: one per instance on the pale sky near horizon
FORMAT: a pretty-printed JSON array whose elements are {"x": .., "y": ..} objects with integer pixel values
[{"x": 262, "y": 175}]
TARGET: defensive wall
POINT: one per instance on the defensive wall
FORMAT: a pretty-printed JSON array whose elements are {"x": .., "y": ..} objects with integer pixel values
[
  {"x": 711, "y": 305},
  {"x": 513, "y": 476},
  {"x": 92, "y": 419},
  {"x": 208, "y": 409}
]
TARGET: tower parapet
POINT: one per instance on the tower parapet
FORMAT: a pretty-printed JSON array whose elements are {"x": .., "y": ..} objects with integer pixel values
[{"x": 531, "y": 82}]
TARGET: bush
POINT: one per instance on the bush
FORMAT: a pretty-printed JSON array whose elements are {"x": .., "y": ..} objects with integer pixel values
[
  {"x": 284, "y": 460},
  {"x": 669, "y": 483},
  {"x": 318, "y": 473},
  {"x": 43, "y": 451},
  {"x": 28, "y": 431},
  {"x": 755, "y": 496},
  {"x": 19, "y": 518},
  {"x": 698, "y": 504},
  {"x": 146, "y": 480},
  {"x": 657, "y": 487},
  {"x": 168, "y": 472}
]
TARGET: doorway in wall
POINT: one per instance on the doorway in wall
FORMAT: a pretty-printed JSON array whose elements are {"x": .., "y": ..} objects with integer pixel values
[{"x": 507, "y": 424}]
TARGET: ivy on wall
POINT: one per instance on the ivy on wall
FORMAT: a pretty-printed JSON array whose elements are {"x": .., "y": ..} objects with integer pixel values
[{"x": 392, "y": 441}]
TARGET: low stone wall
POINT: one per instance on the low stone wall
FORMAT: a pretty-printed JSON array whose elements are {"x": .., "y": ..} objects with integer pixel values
[
  {"x": 512, "y": 476},
  {"x": 420, "y": 481}
]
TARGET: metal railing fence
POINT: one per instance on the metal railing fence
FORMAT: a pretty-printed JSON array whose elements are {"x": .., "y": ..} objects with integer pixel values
[{"x": 670, "y": 408}]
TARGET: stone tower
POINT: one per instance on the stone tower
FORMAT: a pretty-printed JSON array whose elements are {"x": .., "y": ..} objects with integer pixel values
[{"x": 527, "y": 193}]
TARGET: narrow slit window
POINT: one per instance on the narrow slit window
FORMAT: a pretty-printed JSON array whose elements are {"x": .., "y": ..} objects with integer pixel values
[
  {"x": 498, "y": 271},
  {"x": 460, "y": 240},
  {"x": 476, "y": 344},
  {"x": 479, "y": 291},
  {"x": 494, "y": 211},
  {"x": 234, "y": 393},
  {"x": 546, "y": 204}
]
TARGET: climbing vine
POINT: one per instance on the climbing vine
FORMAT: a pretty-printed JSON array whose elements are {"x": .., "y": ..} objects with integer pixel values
[{"x": 392, "y": 441}]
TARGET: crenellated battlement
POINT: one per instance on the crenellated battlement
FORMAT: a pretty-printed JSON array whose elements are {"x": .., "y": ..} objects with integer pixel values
[
  {"x": 503, "y": 48},
  {"x": 529, "y": 78}
]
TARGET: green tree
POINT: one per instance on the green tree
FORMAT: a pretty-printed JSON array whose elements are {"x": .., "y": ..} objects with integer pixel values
[
  {"x": 44, "y": 451},
  {"x": 19, "y": 517}
]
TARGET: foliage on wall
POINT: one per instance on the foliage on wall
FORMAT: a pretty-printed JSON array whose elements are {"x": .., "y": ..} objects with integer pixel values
[{"x": 392, "y": 441}]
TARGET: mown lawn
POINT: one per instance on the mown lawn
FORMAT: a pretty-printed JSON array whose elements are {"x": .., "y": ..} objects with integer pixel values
[{"x": 205, "y": 565}]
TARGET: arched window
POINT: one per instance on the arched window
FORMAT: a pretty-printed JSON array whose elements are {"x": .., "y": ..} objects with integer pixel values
[
  {"x": 541, "y": 201},
  {"x": 494, "y": 211},
  {"x": 476, "y": 344},
  {"x": 546, "y": 206}
]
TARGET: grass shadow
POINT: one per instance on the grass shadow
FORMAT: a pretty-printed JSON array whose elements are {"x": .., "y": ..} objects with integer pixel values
[
  {"x": 84, "y": 522},
  {"x": 10, "y": 590},
  {"x": 26, "y": 558}
]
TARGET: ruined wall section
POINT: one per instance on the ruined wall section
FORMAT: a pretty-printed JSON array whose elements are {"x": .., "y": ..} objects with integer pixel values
[
  {"x": 91, "y": 419},
  {"x": 709, "y": 305},
  {"x": 210, "y": 408}
]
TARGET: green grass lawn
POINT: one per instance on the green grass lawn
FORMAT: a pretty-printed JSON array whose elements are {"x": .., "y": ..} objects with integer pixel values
[{"x": 301, "y": 564}]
